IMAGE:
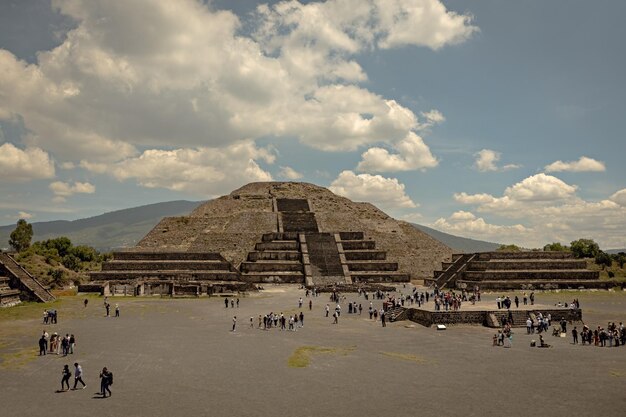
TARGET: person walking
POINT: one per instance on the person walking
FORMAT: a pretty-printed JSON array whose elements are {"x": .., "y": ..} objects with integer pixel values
[
  {"x": 234, "y": 322},
  {"x": 117, "y": 310},
  {"x": 106, "y": 379},
  {"x": 382, "y": 318},
  {"x": 108, "y": 307},
  {"x": 575, "y": 335},
  {"x": 310, "y": 305},
  {"x": 516, "y": 301},
  {"x": 65, "y": 379},
  {"x": 327, "y": 310},
  {"x": 78, "y": 375}
]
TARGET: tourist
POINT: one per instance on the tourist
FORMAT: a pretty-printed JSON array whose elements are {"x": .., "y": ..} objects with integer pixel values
[
  {"x": 382, "y": 317},
  {"x": 529, "y": 324},
  {"x": 300, "y": 302},
  {"x": 237, "y": 302},
  {"x": 260, "y": 321},
  {"x": 301, "y": 319},
  {"x": 72, "y": 344},
  {"x": 65, "y": 345},
  {"x": 310, "y": 305},
  {"x": 327, "y": 309},
  {"x": 575, "y": 335},
  {"x": 335, "y": 318},
  {"x": 234, "y": 322},
  {"x": 117, "y": 310},
  {"x": 45, "y": 317},
  {"x": 108, "y": 308},
  {"x": 226, "y": 302},
  {"x": 106, "y": 379},
  {"x": 78, "y": 375},
  {"x": 532, "y": 298},
  {"x": 43, "y": 345},
  {"x": 251, "y": 322},
  {"x": 499, "y": 302},
  {"x": 86, "y": 302},
  {"x": 232, "y": 303},
  {"x": 65, "y": 379},
  {"x": 516, "y": 301}
]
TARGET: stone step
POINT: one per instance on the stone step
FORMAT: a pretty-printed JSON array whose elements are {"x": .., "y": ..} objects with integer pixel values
[
  {"x": 269, "y": 237},
  {"x": 485, "y": 256},
  {"x": 532, "y": 264},
  {"x": 167, "y": 256},
  {"x": 549, "y": 275},
  {"x": 27, "y": 281},
  {"x": 165, "y": 275},
  {"x": 278, "y": 245},
  {"x": 365, "y": 255},
  {"x": 377, "y": 276},
  {"x": 274, "y": 256},
  {"x": 271, "y": 266},
  {"x": 323, "y": 255},
  {"x": 358, "y": 244},
  {"x": 116, "y": 265},
  {"x": 372, "y": 266},
  {"x": 351, "y": 235},
  {"x": 273, "y": 277},
  {"x": 292, "y": 204},
  {"x": 299, "y": 222}
]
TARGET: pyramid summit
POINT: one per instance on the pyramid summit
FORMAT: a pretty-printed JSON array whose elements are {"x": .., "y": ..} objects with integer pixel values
[{"x": 281, "y": 232}]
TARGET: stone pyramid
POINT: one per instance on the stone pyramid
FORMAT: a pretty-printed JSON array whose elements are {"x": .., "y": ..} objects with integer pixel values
[{"x": 233, "y": 225}]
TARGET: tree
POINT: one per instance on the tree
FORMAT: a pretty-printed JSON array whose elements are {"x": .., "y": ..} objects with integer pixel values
[
  {"x": 556, "y": 247},
  {"x": 20, "y": 237},
  {"x": 62, "y": 244},
  {"x": 604, "y": 259},
  {"x": 584, "y": 248},
  {"x": 509, "y": 248},
  {"x": 620, "y": 258}
]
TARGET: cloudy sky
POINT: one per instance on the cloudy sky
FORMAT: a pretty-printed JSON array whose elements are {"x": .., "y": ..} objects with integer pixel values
[{"x": 497, "y": 120}]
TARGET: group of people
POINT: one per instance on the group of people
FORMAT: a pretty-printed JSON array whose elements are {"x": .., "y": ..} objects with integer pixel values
[
  {"x": 106, "y": 379},
  {"x": 613, "y": 336},
  {"x": 56, "y": 344},
  {"x": 277, "y": 321},
  {"x": 50, "y": 316},
  {"x": 505, "y": 302}
]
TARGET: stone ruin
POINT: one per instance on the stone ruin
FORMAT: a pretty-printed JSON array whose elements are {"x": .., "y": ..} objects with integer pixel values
[
  {"x": 17, "y": 284},
  {"x": 272, "y": 232},
  {"x": 517, "y": 270}
]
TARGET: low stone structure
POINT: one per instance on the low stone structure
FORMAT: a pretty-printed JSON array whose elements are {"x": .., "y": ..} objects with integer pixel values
[
  {"x": 517, "y": 270},
  {"x": 488, "y": 318}
]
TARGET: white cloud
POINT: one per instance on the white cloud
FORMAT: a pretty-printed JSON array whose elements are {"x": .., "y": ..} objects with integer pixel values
[
  {"x": 412, "y": 217},
  {"x": 197, "y": 81},
  {"x": 486, "y": 160},
  {"x": 24, "y": 165},
  {"x": 540, "y": 187},
  {"x": 200, "y": 171},
  {"x": 290, "y": 173},
  {"x": 412, "y": 154},
  {"x": 24, "y": 215},
  {"x": 466, "y": 224},
  {"x": 62, "y": 190},
  {"x": 550, "y": 211},
  {"x": 386, "y": 193},
  {"x": 584, "y": 164},
  {"x": 619, "y": 197}
]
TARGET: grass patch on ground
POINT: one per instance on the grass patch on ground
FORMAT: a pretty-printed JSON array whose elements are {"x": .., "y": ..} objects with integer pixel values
[
  {"x": 17, "y": 359},
  {"x": 405, "y": 357},
  {"x": 301, "y": 357},
  {"x": 617, "y": 374}
]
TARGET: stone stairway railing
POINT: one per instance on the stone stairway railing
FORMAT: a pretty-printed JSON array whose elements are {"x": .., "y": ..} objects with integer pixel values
[
  {"x": 450, "y": 275},
  {"x": 26, "y": 279},
  {"x": 397, "y": 313}
]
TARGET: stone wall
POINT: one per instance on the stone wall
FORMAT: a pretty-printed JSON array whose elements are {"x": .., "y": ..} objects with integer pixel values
[{"x": 428, "y": 318}]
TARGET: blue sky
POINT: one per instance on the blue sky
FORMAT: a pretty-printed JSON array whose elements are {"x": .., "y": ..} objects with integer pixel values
[{"x": 496, "y": 120}]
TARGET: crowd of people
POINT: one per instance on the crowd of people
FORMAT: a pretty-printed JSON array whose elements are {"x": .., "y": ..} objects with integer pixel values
[{"x": 55, "y": 344}]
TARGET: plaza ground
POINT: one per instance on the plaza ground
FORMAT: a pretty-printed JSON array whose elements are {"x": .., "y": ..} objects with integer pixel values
[{"x": 179, "y": 357}]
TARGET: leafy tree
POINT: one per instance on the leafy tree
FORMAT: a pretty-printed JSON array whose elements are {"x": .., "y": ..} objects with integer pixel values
[
  {"x": 556, "y": 246},
  {"x": 509, "y": 248},
  {"x": 604, "y": 259},
  {"x": 620, "y": 258},
  {"x": 71, "y": 262},
  {"x": 20, "y": 237},
  {"x": 585, "y": 248},
  {"x": 85, "y": 253},
  {"x": 57, "y": 276},
  {"x": 62, "y": 244}
]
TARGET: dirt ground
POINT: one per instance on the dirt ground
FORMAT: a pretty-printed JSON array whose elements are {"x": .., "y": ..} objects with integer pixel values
[{"x": 179, "y": 357}]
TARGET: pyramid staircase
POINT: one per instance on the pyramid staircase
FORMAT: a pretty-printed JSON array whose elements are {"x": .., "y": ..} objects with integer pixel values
[
  {"x": 22, "y": 280},
  {"x": 8, "y": 296}
]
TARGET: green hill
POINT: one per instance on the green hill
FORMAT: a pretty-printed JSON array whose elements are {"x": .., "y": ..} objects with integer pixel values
[{"x": 116, "y": 229}]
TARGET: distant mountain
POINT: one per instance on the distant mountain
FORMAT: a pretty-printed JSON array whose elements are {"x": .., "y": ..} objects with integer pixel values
[
  {"x": 116, "y": 229},
  {"x": 457, "y": 243},
  {"x": 124, "y": 228},
  {"x": 615, "y": 251}
]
